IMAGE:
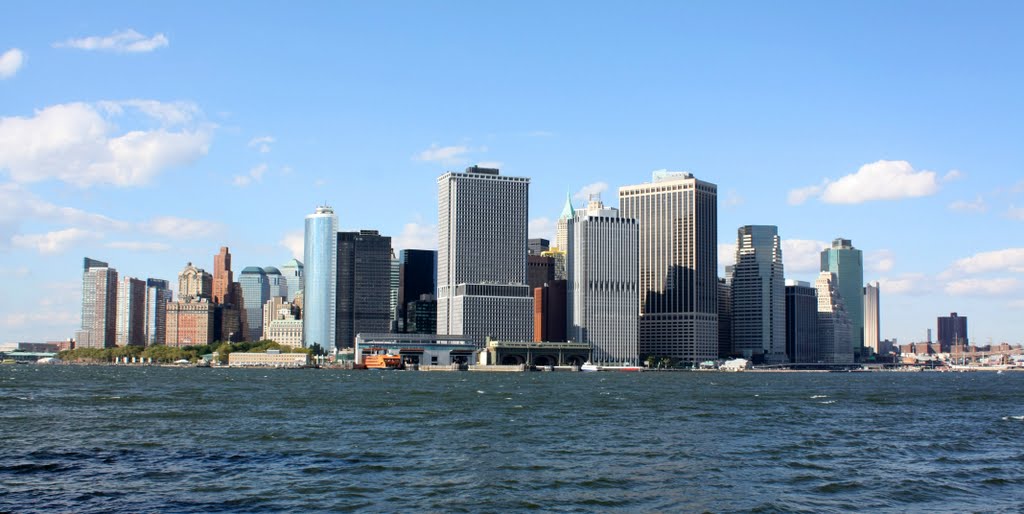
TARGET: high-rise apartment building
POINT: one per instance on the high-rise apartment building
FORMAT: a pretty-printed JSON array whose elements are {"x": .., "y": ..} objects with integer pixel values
[
  {"x": 320, "y": 279},
  {"x": 677, "y": 216},
  {"x": 801, "y": 322},
  {"x": 292, "y": 274},
  {"x": 834, "y": 327},
  {"x": 872, "y": 318},
  {"x": 364, "y": 285},
  {"x": 194, "y": 283},
  {"x": 759, "y": 295},
  {"x": 158, "y": 295},
  {"x": 99, "y": 305},
  {"x": 602, "y": 296},
  {"x": 481, "y": 275},
  {"x": 847, "y": 264},
  {"x": 417, "y": 276},
  {"x": 255, "y": 292},
  {"x": 222, "y": 277},
  {"x": 952, "y": 331},
  {"x": 131, "y": 312}
]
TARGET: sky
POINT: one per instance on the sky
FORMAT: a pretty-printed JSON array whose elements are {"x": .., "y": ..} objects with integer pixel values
[{"x": 148, "y": 135}]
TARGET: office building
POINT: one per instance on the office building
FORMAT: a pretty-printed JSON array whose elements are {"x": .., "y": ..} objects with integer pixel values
[
  {"x": 603, "y": 276},
  {"x": 952, "y": 331},
  {"x": 320, "y": 279},
  {"x": 801, "y": 322},
  {"x": 872, "y": 319},
  {"x": 421, "y": 315},
  {"x": 99, "y": 306},
  {"x": 131, "y": 312},
  {"x": 291, "y": 272},
  {"x": 396, "y": 278},
  {"x": 539, "y": 270},
  {"x": 194, "y": 283},
  {"x": 222, "y": 277},
  {"x": 255, "y": 293},
  {"x": 677, "y": 216},
  {"x": 535, "y": 246},
  {"x": 834, "y": 327},
  {"x": 277, "y": 307},
  {"x": 847, "y": 264},
  {"x": 481, "y": 275},
  {"x": 191, "y": 323},
  {"x": 725, "y": 314},
  {"x": 549, "y": 312},
  {"x": 363, "y": 285},
  {"x": 158, "y": 294},
  {"x": 417, "y": 276},
  {"x": 759, "y": 296},
  {"x": 275, "y": 282},
  {"x": 282, "y": 323},
  {"x": 562, "y": 225}
]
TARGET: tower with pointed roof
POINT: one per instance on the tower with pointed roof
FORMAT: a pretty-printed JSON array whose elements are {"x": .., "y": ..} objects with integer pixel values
[{"x": 562, "y": 228}]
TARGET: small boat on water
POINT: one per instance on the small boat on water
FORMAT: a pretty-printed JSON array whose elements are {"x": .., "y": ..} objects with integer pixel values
[{"x": 589, "y": 366}]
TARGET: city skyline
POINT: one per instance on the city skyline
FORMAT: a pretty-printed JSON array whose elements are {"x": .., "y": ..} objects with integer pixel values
[{"x": 873, "y": 128}]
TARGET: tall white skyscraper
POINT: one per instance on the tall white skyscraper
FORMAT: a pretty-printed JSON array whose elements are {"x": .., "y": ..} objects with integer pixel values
[
  {"x": 834, "y": 328},
  {"x": 602, "y": 295},
  {"x": 759, "y": 295},
  {"x": 872, "y": 317},
  {"x": 481, "y": 256},
  {"x": 677, "y": 216},
  {"x": 321, "y": 279}
]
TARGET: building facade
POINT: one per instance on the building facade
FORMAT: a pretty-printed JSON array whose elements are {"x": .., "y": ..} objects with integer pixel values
[
  {"x": 99, "y": 306},
  {"x": 834, "y": 328},
  {"x": 364, "y": 285},
  {"x": 222, "y": 276},
  {"x": 549, "y": 312},
  {"x": 538, "y": 245},
  {"x": 320, "y": 279},
  {"x": 481, "y": 276},
  {"x": 191, "y": 323},
  {"x": 417, "y": 276},
  {"x": 276, "y": 282},
  {"x": 847, "y": 264},
  {"x": 677, "y": 216},
  {"x": 801, "y": 322},
  {"x": 725, "y": 314},
  {"x": 158, "y": 295},
  {"x": 872, "y": 319},
  {"x": 421, "y": 315},
  {"x": 952, "y": 331},
  {"x": 255, "y": 292},
  {"x": 759, "y": 296},
  {"x": 539, "y": 270},
  {"x": 603, "y": 283},
  {"x": 131, "y": 312},
  {"x": 194, "y": 283},
  {"x": 292, "y": 274}
]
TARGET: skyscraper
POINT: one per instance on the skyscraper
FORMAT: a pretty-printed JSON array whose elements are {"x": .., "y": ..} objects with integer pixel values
[
  {"x": 801, "y": 322},
  {"x": 158, "y": 294},
  {"x": 194, "y": 283},
  {"x": 276, "y": 282},
  {"x": 364, "y": 285},
  {"x": 602, "y": 296},
  {"x": 952, "y": 330},
  {"x": 872, "y": 318},
  {"x": 677, "y": 216},
  {"x": 549, "y": 312},
  {"x": 292, "y": 273},
  {"x": 725, "y": 314},
  {"x": 99, "y": 305},
  {"x": 759, "y": 295},
  {"x": 834, "y": 330},
  {"x": 222, "y": 277},
  {"x": 847, "y": 264},
  {"x": 255, "y": 292},
  {"x": 396, "y": 277},
  {"x": 417, "y": 276},
  {"x": 535, "y": 246},
  {"x": 320, "y": 279},
  {"x": 562, "y": 225},
  {"x": 131, "y": 312},
  {"x": 481, "y": 275}
]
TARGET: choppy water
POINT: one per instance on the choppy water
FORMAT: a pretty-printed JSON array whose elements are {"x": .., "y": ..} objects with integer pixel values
[{"x": 100, "y": 439}]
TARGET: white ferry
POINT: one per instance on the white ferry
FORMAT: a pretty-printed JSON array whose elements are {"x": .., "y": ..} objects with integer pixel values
[{"x": 589, "y": 366}]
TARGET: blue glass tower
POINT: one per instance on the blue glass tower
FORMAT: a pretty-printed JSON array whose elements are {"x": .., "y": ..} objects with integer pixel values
[
  {"x": 847, "y": 264},
  {"x": 320, "y": 275},
  {"x": 255, "y": 293}
]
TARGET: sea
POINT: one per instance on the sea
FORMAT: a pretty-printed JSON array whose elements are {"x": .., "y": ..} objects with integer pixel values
[{"x": 154, "y": 439}]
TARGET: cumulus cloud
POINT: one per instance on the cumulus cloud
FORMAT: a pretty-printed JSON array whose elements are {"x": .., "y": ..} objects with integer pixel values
[
  {"x": 10, "y": 63},
  {"x": 880, "y": 180},
  {"x": 727, "y": 254},
  {"x": 952, "y": 175},
  {"x": 910, "y": 284},
  {"x": 139, "y": 246},
  {"x": 448, "y": 155},
  {"x": 1010, "y": 259},
  {"x": 294, "y": 241},
  {"x": 543, "y": 228},
  {"x": 802, "y": 255},
  {"x": 590, "y": 189},
  {"x": 983, "y": 287},
  {"x": 881, "y": 261},
  {"x": 262, "y": 143},
  {"x": 120, "y": 41},
  {"x": 54, "y": 242},
  {"x": 174, "y": 227},
  {"x": 79, "y": 143},
  {"x": 255, "y": 175},
  {"x": 976, "y": 206},
  {"x": 490, "y": 164},
  {"x": 418, "y": 236}
]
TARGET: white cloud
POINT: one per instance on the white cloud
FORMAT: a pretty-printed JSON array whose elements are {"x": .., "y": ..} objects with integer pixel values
[
  {"x": 18, "y": 204},
  {"x": 121, "y": 41},
  {"x": 910, "y": 284},
  {"x": 983, "y": 287},
  {"x": 262, "y": 143},
  {"x": 254, "y": 175},
  {"x": 802, "y": 255},
  {"x": 10, "y": 63},
  {"x": 418, "y": 236},
  {"x": 880, "y": 180},
  {"x": 1010, "y": 259},
  {"x": 449, "y": 155},
  {"x": 881, "y": 261},
  {"x": 977, "y": 206},
  {"x": 180, "y": 228},
  {"x": 77, "y": 143},
  {"x": 294, "y": 241},
  {"x": 1015, "y": 213},
  {"x": 727, "y": 254},
  {"x": 139, "y": 246},
  {"x": 1017, "y": 304},
  {"x": 490, "y": 164},
  {"x": 543, "y": 228},
  {"x": 49, "y": 319},
  {"x": 590, "y": 189},
  {"x": 54, "y": 242},
  {"x": 952, "y": 175}
]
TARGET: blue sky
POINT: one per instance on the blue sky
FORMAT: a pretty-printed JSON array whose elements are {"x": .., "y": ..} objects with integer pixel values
[{"x": 149, "y": 135}]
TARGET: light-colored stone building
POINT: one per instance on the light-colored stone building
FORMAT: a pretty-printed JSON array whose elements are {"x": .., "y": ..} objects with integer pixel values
[
  {"x": 194, "y": 283},
  {"x": 269, "y": 359},
  {"x": 834, "y": 327}
]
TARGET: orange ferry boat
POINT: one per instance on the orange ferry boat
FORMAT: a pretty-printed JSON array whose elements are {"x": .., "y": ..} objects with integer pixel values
[{"x": 382, "y": 361}]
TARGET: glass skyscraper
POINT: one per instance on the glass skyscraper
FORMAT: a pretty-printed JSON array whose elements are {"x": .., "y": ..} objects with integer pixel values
[
  {"x": 158, "y": 293},
  {"x": 276, "y": 281},
  {"x": 847, "y": 264},
  {"x": 292, "y": 273},
  {"x": 320, "y": 294},
  {"x": 99, "y": 305},
  {"x": 255, "y": 293},
  {"x": 759, "y": 295}
]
